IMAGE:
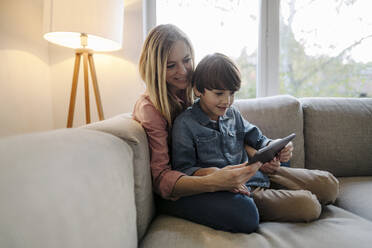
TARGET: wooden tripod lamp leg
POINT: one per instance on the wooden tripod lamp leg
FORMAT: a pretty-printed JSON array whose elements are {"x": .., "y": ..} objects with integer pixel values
[
  {"x": 75, "y": 77},
  {"x": 87, "y": 59},
  {"x": 95, "y": 87},
  {"x": 86, "y": 87}
]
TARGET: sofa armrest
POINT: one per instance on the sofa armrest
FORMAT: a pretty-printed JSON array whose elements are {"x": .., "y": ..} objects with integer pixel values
[
  {"x": 124, "y": 127},
  {"x": 66, "y": 188}
]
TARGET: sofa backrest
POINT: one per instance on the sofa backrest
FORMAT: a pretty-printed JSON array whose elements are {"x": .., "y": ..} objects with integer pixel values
[
  {"x": 66, "y": 188},
  {"x": 129, "y": 130},
  {"x": 277, "y": 117},
  {"x": 338, "y": 135}
]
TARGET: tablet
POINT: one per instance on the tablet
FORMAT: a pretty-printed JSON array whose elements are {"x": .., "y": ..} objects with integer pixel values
[{"x": 267, "y": 153}]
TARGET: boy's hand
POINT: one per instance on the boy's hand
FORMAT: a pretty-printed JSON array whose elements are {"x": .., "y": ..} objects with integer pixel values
[
  {"x": 286, "y": 153},
  {"x": 271, "y": 167},
  {"x": 250, "y": 151}
]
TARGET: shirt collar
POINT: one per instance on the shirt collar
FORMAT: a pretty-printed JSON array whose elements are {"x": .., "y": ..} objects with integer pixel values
[{"x": 202, "y": 117}]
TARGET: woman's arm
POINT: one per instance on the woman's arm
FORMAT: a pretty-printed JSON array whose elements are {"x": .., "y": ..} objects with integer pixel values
[
  {"x": 205, "y": 171},
  {"x": 226, "y": 179},
  {"x": 155, "y": 126}
]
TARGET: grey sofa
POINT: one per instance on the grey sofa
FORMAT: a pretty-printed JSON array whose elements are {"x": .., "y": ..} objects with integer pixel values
[{"x": 91, "y": 186}]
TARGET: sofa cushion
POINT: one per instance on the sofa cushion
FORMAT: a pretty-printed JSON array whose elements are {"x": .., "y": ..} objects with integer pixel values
[
  {"x": 277, "y": 117},
  {"x": 338, "y": 135},
  {"x": 335, "y": 228},
  {"x": 124, "y": 127},
  {"x": 66, "y": 188},
  {"x": 355, "y": 195}
]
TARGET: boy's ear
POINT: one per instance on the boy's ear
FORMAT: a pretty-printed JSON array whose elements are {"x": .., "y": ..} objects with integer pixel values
[{"x": 196, "y": 92}]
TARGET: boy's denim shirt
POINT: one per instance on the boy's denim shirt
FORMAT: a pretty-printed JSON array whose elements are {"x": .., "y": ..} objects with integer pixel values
[{"x": 199, "y": 142}]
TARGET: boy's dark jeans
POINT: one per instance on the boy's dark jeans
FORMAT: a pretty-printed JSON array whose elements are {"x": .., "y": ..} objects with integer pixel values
[{"x": 222, "y": 210}]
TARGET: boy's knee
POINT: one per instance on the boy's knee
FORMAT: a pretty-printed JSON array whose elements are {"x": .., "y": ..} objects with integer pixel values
[
  {"x": 331, "y": 188},
  {"x": 308, "y": 206},
  {"x": 245, "y": 217},
  {"x": 327, "y": 187}
]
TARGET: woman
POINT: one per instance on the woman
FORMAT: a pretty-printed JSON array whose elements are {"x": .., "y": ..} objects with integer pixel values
[{"x": 166, "y": 63}]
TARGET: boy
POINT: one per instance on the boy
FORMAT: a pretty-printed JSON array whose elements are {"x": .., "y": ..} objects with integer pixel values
[{"x": 212, "y": 134}]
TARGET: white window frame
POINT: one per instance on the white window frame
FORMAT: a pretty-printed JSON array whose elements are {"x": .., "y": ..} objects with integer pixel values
[
  {"x": 268, "y": 49},
  {"x": 268, "y": 43},
  {"x": 148, "y": 16}
]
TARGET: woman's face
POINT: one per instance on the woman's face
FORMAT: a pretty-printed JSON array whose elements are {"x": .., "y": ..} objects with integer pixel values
[{"x": 179, "y": 65}]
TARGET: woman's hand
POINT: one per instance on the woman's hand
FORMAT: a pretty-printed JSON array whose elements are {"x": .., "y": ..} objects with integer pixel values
[
  {"x": 271, "y": 167},
  {"x": 242, "y": 189},
  {"x": 231, "y": 177},
  {"x": 286, "y": 153}
]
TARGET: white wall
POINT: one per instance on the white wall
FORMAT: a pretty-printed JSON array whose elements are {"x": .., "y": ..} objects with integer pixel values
[
  {"x": 25, "y": 93},
  {"x": 35, "y": 77}
]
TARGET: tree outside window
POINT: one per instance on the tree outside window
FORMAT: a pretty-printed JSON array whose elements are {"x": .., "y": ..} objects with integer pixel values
[
  {"x": 325, "y": 45},
  {"x": 326, "y": 48}
]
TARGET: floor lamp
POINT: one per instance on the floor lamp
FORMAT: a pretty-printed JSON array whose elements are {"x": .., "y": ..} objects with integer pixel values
[
  {"x": 87, "y": 55},
  {"x": 87, "y": 26}
]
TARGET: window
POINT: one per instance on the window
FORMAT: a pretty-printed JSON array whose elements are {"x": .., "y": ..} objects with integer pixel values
[
  {"x": 304, "y": 47},
  {"x": 226, "y": 26},
  {"x": 326, "y": 48}
]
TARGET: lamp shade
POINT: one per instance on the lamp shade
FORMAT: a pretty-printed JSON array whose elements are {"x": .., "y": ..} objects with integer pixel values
[{"x": 100, "y": 20}]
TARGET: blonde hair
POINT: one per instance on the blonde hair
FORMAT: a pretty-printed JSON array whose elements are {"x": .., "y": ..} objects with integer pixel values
[{"x": 153, "y": 69}]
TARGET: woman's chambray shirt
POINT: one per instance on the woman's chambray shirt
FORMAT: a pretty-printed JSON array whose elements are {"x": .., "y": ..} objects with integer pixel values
[{"x": 199, "y": 142}]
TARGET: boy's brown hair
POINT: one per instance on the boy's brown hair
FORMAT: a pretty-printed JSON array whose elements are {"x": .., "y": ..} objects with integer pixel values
[{"x": 216, "y": 71}]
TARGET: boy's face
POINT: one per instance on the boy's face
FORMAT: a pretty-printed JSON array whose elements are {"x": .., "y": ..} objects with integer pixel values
[{"x": 215, "y": 102}]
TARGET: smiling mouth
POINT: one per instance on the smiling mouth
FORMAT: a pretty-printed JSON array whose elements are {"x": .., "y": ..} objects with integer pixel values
[
  {"x": 222, "y": 108},
  {"x": 181, "y": 79}
]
